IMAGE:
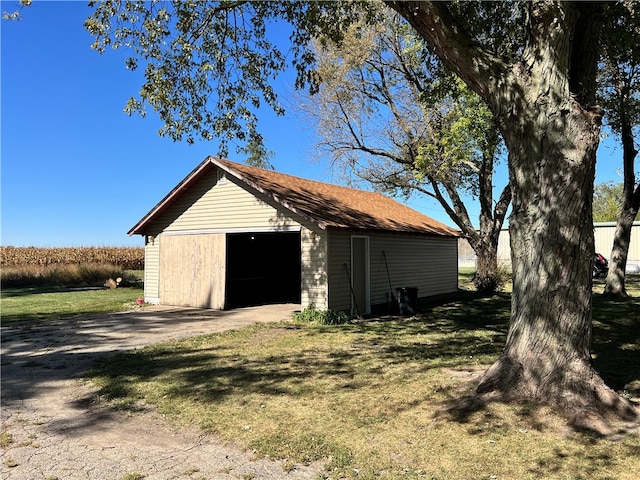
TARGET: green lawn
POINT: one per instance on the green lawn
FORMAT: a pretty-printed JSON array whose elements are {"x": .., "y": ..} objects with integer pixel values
[
  {"x": 380, "y": 399},
  {"x": 29, "y": 304}
]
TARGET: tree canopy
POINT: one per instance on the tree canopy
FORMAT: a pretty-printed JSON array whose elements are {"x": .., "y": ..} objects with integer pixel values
[
  {"x": 388, "y": 113},
  {"x": 209, "y": 66},
  {"x": 607, "y": 200},
  {"x": 16, "y": 14}
]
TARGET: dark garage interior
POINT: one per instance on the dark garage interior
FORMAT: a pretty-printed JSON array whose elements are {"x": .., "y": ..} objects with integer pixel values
[{"x": 263, "y": 268}]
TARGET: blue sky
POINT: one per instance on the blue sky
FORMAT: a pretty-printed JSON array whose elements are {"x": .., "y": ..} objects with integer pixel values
[{"x": 77, "y": 171}]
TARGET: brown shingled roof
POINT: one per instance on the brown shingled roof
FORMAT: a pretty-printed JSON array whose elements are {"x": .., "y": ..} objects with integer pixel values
[{"x": 324, "y": 204}]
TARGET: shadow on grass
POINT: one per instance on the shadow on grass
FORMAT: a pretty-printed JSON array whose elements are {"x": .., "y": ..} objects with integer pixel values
[
  {"x": 616, "y": 356},
  {"x": 464, "y": 335},
  {"x": 302, "y": 363},
  {"x": 442, "y": 336},
  {"x": 616, "y": 342}
]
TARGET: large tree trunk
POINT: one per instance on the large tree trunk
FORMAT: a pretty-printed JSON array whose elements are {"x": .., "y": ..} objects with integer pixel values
[
  {"x": 541, "y": 103},
  {"x": 552, "y": 140},
  {"x": 487, "y": 278},
  {"x": 547, "y": 353},
  {"x": 615, "y": 283}
]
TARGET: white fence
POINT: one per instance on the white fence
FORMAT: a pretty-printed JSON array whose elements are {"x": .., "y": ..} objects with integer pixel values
[{"x": 603, "y": 234}]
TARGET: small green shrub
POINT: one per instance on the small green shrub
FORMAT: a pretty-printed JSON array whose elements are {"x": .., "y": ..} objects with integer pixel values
[
  {"x": 493, "y": 283},
  {"x": 333, "y": 317},
  {"x": 324, "y": 317}
]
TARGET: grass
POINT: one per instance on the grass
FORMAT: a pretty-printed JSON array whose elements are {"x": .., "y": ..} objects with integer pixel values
[
  {"x": 374, "y": 399},
  {"x": 616, "y": 337},
  {"x": 134, "y": 476},
  {"x": 6, "y": 439},
  {"x": 41, "y": 303}
]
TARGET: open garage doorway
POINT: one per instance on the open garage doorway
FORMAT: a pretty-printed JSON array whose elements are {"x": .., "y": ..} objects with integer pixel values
[{"x": 263, "y": 268}]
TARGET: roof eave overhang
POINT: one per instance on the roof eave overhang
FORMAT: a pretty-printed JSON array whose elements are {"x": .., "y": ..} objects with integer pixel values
[
  {"x": 180, "y": 189},
  {"x": 212, "y": 162},
  {"x": 424, "y": 233}
]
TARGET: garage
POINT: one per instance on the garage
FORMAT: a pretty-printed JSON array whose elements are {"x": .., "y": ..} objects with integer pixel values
[
  {"x": 231, "y": 235},
  {"x": 262, "y": 268}
]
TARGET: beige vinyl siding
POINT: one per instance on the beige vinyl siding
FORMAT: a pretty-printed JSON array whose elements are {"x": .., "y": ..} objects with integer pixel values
[
  {"x": 193, "y": 270},
  {"x": 211, "y": 209},
  {"x": 427, "y": 263},
  {"x": 222, "y": 204},
  {"x": 314, "y": 267},
  {"x": 186, "y": 262},
  {"x": 152, "y": 270},
  {"x": 339, "y": 255}
]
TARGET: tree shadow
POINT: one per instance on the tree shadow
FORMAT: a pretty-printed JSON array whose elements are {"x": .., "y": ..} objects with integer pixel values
[
  {"x": 461, "y": 336},
  {"x": 36, "y": 354},
  {"x": 443, "y": 335},
  {"x": 616, "y": 342},
  {"x": 616, "y": 357}
]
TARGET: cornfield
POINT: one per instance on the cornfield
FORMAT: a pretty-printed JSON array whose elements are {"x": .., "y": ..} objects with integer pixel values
[
  {"x": 127, "y": 258},
  {"x": 38, "y": 266}
]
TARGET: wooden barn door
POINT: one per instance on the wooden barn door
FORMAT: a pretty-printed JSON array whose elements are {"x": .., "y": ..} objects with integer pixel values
[{"x": 192, "y": 270}]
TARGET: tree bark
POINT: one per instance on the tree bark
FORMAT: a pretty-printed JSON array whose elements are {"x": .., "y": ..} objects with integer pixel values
[
  {"x": 615, "y": 282},
  {"x": 552, "y": 137},
  {"x": 542, "y": 105},
  {"x": 487, "y": 278}
]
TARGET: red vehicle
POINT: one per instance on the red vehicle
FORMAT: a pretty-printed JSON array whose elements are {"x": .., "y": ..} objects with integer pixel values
[{"x": 600, "y": 266}]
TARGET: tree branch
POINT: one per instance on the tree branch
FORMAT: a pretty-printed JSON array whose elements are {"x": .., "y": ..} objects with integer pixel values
[
  {"x": 500, "y": 209},
  {"x": 461, "y": 53}
]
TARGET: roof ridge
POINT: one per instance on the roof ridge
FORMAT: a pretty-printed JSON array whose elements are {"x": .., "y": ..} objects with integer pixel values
[
  {"x": 277, "y": 172},
  {"x": 356, "y": 209}
]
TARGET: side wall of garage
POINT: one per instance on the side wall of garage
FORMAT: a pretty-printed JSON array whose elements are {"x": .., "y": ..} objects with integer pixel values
[
  {"x": 314, "y": 268},
  {"x": 152, "y": 269},
  {"x": 428, "y": 263}
]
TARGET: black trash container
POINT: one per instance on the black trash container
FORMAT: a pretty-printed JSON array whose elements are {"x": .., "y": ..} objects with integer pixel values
[{"x": 407, "y": 300}]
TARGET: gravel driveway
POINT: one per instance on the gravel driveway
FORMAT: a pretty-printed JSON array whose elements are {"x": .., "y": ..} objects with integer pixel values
[{"x": 52, "y": 427}]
